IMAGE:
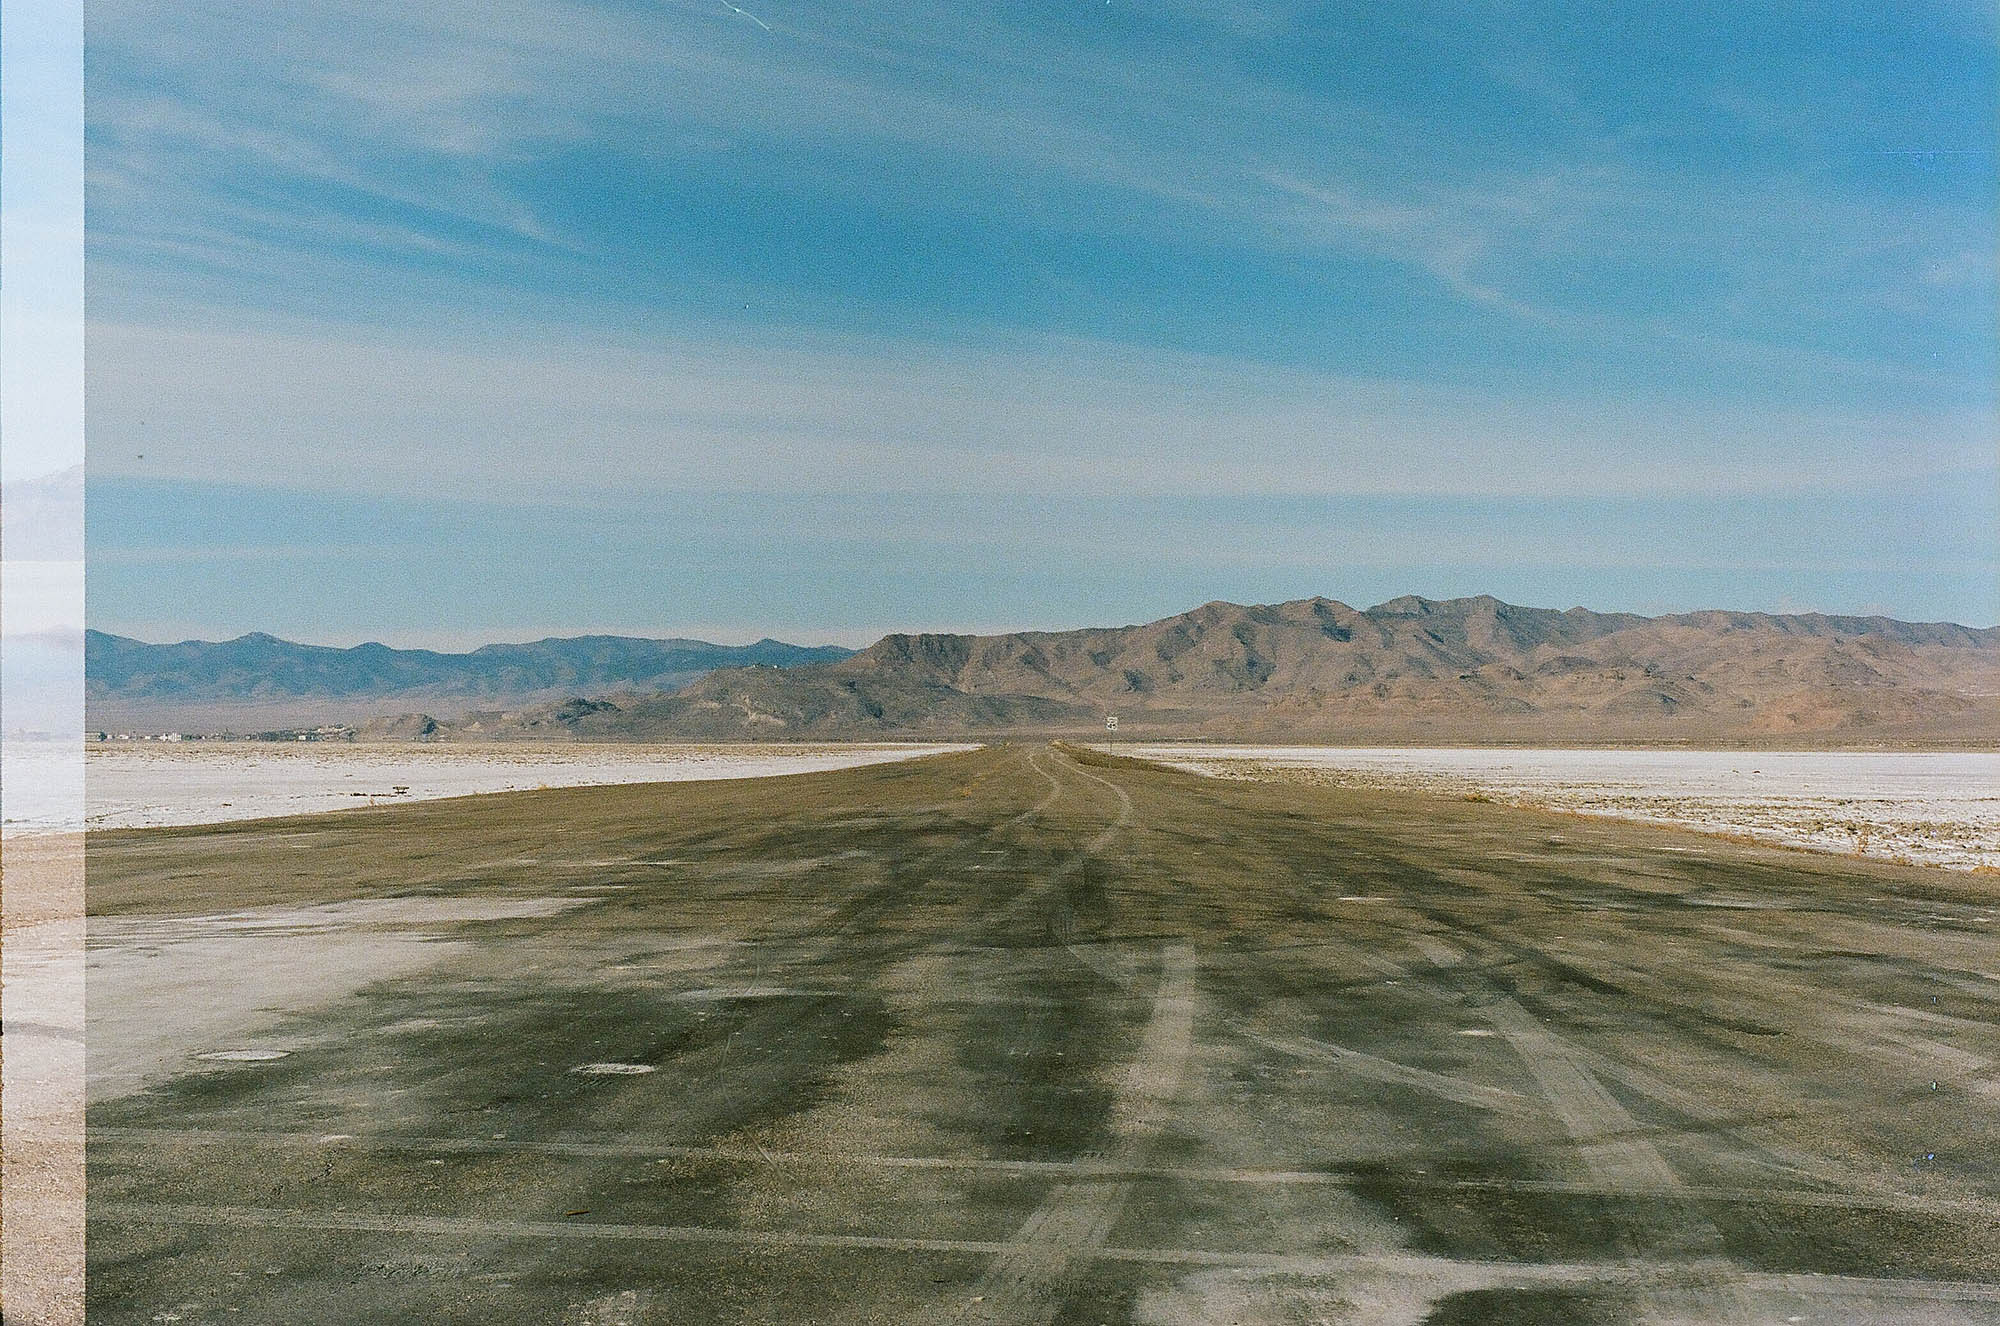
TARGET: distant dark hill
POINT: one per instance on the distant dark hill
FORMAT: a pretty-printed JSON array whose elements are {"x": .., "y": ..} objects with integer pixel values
[
  {"x": 264, "y": 675},
  {"x": 1406, "y": 670}
]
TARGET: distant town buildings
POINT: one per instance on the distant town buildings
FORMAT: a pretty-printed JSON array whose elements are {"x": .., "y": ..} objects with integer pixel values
[{"x": 329, "y": 732}]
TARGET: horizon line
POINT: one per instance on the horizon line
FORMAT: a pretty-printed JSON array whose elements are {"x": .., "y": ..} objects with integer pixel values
[{"x": 733, "y": 637}]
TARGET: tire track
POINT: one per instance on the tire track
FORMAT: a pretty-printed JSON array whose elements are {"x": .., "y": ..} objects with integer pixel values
[
  {"x": 1609, "y": 1140},
  {"x": 618, "y": 1147},
  {"x": 1117, "y": 826},
  {"x": 1612, "y": 1145},
  {"x": 828, "y": 931},
  {"x": 1062, "y": 921},
  {"x": 1377, "y": 1069},
  {"x": 1031, "y": 1275},
  {"x": 1040, "y": 807},
  {"x": 1602, "y": 1067},
  {"x": 1391, "y": 1265}
]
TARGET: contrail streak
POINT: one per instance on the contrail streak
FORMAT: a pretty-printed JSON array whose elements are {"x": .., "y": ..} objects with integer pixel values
[{"x": 747, "y": 14}]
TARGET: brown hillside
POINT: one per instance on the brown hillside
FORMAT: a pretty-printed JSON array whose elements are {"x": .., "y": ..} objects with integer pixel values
[{"x": 1406, "y": 670}]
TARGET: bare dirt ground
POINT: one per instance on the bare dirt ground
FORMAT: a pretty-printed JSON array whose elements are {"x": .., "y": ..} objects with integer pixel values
[
  {"x": 1027, "y": 1035},
  {"x": 41, "y": 1080}
]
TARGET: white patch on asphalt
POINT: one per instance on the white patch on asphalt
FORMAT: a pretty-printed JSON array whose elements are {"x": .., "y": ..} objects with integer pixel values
[{"x": 163, "y": 987}]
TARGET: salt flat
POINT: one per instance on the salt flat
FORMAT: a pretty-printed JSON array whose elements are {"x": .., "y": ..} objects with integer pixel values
[
  {"x": 41, "y": 785},
  {"x": 148, "y": 786},
  {"x": 1932, "y": 808}
]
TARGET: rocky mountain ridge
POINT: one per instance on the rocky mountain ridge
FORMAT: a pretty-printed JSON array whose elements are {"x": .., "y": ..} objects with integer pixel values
[{"x": 1408, "y": 670}]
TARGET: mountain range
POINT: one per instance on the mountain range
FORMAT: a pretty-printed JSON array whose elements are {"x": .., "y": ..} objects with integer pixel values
[
  {"x": 1409, "y": 670},
  {"x": 260, "y": 678}
]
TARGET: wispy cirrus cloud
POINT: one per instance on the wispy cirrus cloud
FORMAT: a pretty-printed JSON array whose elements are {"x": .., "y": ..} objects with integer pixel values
[
  {"x": 577, "y": 418},
  {"x": 586, "y": 249},
  {"x": 1147, "y": 134}
]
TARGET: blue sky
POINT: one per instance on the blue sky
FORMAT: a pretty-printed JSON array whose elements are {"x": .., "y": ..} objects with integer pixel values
[{"x": 447, "y": 323}]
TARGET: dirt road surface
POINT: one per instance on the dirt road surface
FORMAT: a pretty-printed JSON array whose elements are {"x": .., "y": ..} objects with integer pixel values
[{"x": 1026, "y": 1035}]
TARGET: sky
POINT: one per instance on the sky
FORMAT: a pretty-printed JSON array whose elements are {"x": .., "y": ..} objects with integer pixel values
[{"x": 449, "y": 323}]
